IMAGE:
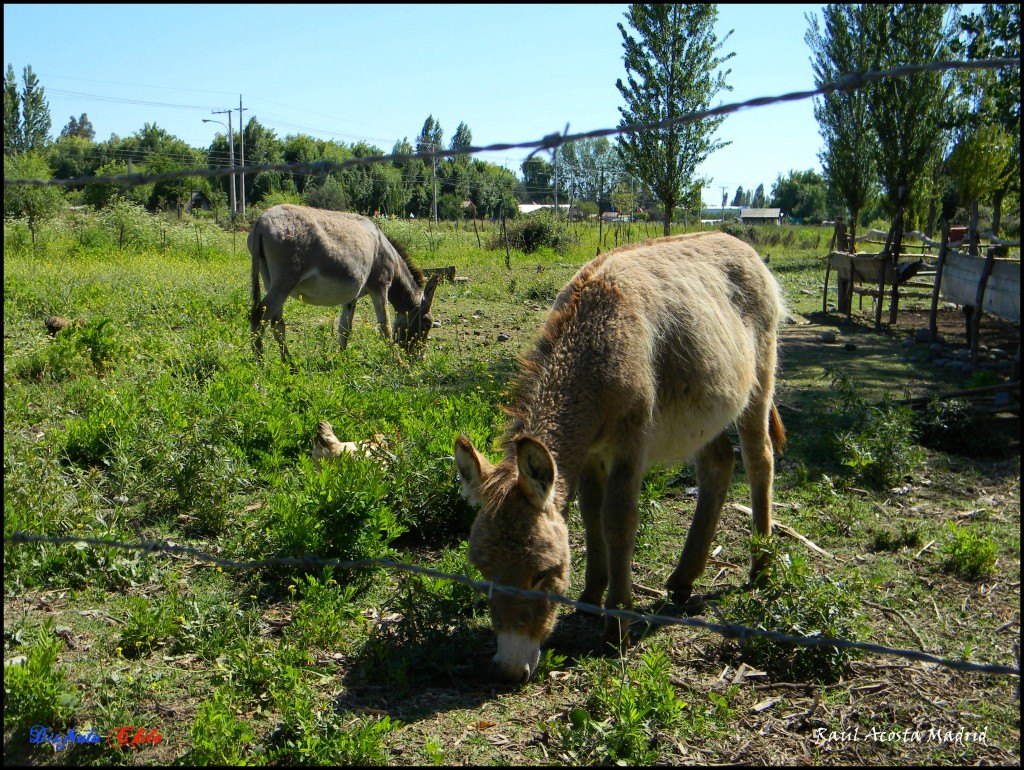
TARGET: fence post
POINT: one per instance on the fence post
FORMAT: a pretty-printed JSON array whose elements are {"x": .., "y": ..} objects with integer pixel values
[
  {"x": 975, "y": 322},
  {"x": 933, "y": 313}
]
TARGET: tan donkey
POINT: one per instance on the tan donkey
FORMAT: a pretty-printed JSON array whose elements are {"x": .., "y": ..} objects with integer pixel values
[{"x": 650, "y": 353}]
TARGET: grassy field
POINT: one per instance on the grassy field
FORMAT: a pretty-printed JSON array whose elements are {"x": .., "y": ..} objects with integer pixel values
[{"x": 152, "y": 421}]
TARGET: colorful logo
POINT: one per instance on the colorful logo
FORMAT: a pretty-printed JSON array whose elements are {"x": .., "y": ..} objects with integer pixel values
[
  {"x": 60, "y": 741},
  {"x": 129, "y": 735}
]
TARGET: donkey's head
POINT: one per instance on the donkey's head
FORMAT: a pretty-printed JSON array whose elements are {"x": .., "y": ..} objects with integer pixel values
[
  {"x": 519, "y": 539},
  {"x": 410, "y": 329}
]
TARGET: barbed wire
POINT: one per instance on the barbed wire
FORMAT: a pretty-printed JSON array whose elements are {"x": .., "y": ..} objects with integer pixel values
[
  {"x": 490, "y": 588},
  {"x": 850, "y": 82}
]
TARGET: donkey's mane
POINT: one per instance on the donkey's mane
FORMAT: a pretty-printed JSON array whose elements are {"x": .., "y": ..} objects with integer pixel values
[
  {"x": 403, "y": 252},
  {"x": 533, "y": 365}
]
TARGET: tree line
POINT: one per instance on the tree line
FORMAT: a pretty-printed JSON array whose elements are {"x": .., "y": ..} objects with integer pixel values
[{"x": 915, "y": 149}]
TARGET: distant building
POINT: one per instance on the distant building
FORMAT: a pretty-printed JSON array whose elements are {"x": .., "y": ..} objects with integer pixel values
[
  {"x": 198, "y": 201},
  {"x": 762, "y": 216},
  {"x": 529, "y": 208}
]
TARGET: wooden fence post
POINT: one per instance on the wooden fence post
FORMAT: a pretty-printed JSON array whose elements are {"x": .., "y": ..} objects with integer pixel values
[
  {"x": 933, "y": 314},
  {"x": 975, "y": 322}
]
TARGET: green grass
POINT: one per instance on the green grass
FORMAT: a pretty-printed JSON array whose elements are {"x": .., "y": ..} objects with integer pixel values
[{"x": 152, "y": 421}]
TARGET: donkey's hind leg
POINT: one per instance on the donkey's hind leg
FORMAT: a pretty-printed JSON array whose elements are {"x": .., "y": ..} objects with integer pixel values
[
  {"x": 268, "y": 310},
  {"x": 714, "y": 472},
  {"x": 759, "y": 463}
]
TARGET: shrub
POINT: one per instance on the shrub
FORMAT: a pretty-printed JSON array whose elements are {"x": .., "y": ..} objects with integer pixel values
[
  {"x": 958, "y": 426},
  {"x": 35, "y": 692},
  {"x": 534, "y": 231},
  {"x": 967, "y": 553},
  {"x": 218, "y": 737},
  {"x": 878, "y": 444},
  {"x": 624, "y": 720}
]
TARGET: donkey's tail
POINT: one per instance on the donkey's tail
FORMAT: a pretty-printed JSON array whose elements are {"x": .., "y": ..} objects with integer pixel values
[{"x": 776, "y": 431}]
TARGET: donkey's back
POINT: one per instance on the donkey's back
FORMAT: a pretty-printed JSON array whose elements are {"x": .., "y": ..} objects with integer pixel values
[{"x": 695, "y": 319}]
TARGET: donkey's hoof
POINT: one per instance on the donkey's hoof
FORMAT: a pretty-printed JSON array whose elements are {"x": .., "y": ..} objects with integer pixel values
[{"x": 679, "y": 595}]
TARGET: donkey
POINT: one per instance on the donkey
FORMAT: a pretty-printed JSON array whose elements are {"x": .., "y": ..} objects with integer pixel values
[
  {"x": 334, "y": 258},
  {"x": 650, "y": 353}
]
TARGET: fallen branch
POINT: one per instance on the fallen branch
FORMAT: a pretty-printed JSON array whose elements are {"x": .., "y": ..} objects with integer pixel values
[
  {"x": 789, "y": 531},
  {"x": 897, "y": 613}
]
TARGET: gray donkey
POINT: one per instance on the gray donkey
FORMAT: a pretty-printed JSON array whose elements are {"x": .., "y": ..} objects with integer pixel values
[{"x": 334, "y": 258}]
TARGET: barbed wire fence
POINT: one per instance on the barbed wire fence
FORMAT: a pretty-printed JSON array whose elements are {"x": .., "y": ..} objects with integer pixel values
[
  {"x": 850, "y": 82},
  {"x": 490, "y": 588}
]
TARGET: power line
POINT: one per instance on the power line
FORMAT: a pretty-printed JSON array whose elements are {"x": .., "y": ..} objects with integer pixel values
[{"x": 851, "y": 82}]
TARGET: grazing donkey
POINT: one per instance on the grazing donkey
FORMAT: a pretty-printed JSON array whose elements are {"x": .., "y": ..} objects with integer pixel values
[
  {"x": 649, "y": 354},
  {"x": 333, "y": 258}
]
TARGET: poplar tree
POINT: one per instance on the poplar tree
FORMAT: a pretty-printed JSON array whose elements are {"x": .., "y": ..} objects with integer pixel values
[
  {"x": 35, "y": 113},
  {"x": 672, "y": 68},
  {"x": 12, "y": 114},
  {"x": 848, "y": 160},
  {"x": 909, "y": 115}
]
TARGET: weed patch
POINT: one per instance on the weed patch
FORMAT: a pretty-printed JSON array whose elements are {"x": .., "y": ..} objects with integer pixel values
[
  {"x": 790, "y": 599},
  {"x": 967, "y": 553}
]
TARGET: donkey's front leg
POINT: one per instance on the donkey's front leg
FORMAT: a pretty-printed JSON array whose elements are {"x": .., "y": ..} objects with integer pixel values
[
  {"x": 619, "y": 515},
  {"x": 380, "y": 307},
  {"x": 714, "y": 472},
  {"x": 591, "y": 499}
]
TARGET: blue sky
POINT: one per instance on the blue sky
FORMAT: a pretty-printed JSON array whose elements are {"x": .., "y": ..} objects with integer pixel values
[{"x": 512, "y": 73}]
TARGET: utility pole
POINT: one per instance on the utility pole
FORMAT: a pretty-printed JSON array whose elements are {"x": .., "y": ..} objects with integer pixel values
[
  {"x": 231, "y": 158},
  {"x": 434, "y": 147},
  {"x": 725, "y": 197},
  {"x": 433, "y": 165},
  {"x": 554, "y": 163},
  {"x": 241, "y": 149}
]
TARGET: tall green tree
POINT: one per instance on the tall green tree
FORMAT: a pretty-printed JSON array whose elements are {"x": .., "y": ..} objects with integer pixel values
[
  {"x": 845, "y": 125},
  {"x": 262, "y": 147},
  {"x": 458, "y": 169},
  {"x": 801, "y": 195},
  {"x": 588, "y": 169},
  {"x": 759, "y": 201},
  {"x": 537, "y": 184},
  {"x": 413, "y": 173},
  {"x": 994, "y": 32},
  {"x": 429, "y": 140},
  {"x": 909, "y": 115},
  {"x": 34, "y": 203},
  {"x": 81, "y": 127},
  {"x": 26, "y": 113},
  {"x": 35, "y": 113},
  {"x": 672, "y": 68},
  {"x": 12, "y": 113}
]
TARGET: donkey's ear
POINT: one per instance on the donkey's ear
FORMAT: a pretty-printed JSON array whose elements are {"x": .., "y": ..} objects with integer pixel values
[
  {"x": 428, "y": 293},
  {"x": 473, "y": 467},
  {"x": 536, "y": 472}
]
